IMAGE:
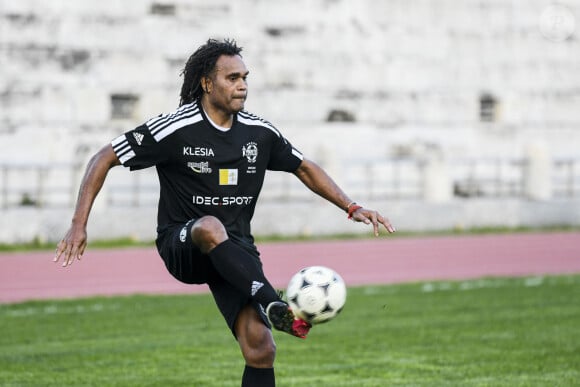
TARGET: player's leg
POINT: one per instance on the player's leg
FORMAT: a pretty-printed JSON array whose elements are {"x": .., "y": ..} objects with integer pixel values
[
  {"x": 183, "y": 260},
  {"x": 257, "y": 346},
  {"x": 233, "y": 263},
  {"x": 244, "y": 271},
  {"x": 186, "y": 261},
  {"x": 250, "y": 327}
]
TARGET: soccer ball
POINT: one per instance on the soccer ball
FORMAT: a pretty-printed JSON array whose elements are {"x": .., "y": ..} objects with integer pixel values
[{"x": 316, "y": 294}]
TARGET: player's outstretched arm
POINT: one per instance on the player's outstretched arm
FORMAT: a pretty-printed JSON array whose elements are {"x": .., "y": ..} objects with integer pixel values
[
  {"x": 319, "y": 182},
  {"x": 72, "y": 246}
]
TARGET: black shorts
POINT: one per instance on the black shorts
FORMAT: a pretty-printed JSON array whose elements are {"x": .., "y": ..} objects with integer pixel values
[{"x": 188, "y": 264}]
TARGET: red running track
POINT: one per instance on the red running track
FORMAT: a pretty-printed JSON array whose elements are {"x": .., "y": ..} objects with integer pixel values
[{"x": 27, "y": 276}]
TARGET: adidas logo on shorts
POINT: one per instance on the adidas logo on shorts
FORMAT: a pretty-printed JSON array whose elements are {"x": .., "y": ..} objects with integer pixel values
[{"x": 255, "y": 287}]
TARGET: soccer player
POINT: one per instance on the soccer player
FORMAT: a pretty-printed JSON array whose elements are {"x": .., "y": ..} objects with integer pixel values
[{"x": 211, "y": 157}]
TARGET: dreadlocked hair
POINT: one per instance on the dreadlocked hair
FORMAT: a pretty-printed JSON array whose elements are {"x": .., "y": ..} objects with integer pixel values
[{"x": 201, "y": 64}]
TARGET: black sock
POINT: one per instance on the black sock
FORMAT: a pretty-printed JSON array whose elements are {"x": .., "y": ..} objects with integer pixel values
[
  {"x": 241, "y": 269},
  {"x": 258, "y": 377}
]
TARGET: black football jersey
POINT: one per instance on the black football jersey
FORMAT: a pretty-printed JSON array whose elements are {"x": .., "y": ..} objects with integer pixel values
[{"x": 205, "y": 171}]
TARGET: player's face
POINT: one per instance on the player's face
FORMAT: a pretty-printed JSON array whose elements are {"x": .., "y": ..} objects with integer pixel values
[{"x": 229, "y": 88}]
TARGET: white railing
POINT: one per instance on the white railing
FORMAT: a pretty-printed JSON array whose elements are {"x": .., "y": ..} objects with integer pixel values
[
  {"x": 488, "y": 177},
  {"x": 38, "y": 185},
  {"x": 566, "y": 177},
  {"x": 56, "y": 185}
]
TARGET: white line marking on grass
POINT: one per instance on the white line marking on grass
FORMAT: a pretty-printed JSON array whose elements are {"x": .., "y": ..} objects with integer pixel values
[
  {"x": 482, "y": 283},
  {"x": 533, "y": 281},
  {"x": 55, "y": 309}
]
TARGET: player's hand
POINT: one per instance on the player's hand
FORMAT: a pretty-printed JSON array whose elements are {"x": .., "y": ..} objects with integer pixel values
[
  {"x": 72, "y": 246},
  {"x": 373, "y": 217}
]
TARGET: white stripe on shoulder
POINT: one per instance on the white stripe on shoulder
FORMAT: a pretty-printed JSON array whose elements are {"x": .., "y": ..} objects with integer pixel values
[
  {"x": 171, "y": 128},
  {"x": 165, "y": 124},
  {"x": 296, "y": 153},
  {"x": 160, "y": 119},
  {"x": 250, "y": 119}
]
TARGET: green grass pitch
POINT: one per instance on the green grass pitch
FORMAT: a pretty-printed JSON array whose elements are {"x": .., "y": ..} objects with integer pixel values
[{"x": 488, "y": 332}]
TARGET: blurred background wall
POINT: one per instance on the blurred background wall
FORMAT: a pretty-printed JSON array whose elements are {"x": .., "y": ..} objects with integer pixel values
[{"x": 442, "y": 114}]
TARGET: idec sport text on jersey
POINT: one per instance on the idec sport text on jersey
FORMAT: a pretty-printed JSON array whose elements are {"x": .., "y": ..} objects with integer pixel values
[{"x": 222, "y": 200}]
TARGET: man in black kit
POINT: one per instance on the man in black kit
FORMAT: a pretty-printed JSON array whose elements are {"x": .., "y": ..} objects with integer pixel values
[{"x": 211, "y": 157}]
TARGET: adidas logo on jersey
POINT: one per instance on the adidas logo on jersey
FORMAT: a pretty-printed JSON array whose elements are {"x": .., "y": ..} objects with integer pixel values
[
  {"x": 138, "y": 137},
  {"x": 255, "y": 287}
]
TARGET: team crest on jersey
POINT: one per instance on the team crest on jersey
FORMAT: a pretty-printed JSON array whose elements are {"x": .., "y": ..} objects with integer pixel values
[
  {"x": 200, "y": 167},
  {"x": 250, "y": 152}
]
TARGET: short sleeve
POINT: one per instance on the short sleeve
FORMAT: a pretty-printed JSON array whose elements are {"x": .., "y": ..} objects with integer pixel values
[
  {"x": 137, "y": 148},
  {"x": 284, "y": 157}
]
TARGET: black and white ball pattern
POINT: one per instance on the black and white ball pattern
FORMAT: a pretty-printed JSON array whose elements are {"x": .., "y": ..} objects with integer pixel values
[{"x": 316, "y": 294}]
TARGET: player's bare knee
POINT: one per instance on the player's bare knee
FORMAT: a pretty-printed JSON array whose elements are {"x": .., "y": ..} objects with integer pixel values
[{"x": 208, "y": 232}]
